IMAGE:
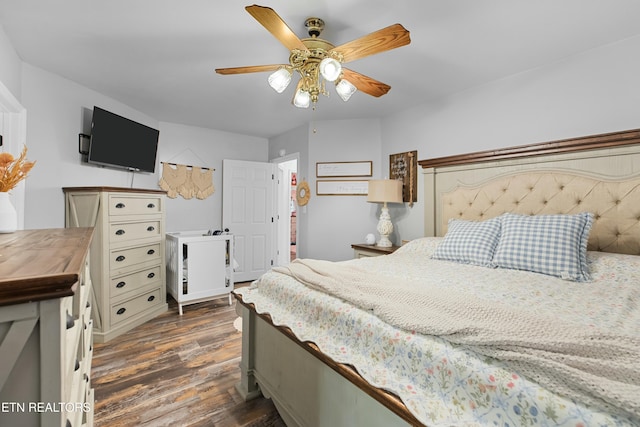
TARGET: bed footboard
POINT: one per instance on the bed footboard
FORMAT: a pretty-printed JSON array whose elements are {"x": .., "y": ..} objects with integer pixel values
[{"x": 306, "y": 390}]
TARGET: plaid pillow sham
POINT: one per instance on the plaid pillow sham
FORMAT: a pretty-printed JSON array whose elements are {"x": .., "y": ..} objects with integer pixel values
[
  {"x": 549, "y": 244},
  {"x": 469, "y": 242}
]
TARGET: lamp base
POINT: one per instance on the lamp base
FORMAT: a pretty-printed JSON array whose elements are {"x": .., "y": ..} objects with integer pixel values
[
  {"x": 384, "y": 242},
  {"x": 385, "y": 228}
]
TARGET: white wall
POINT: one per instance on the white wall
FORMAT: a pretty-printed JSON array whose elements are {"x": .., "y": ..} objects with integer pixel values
[
  {"x": 595, "y": 92},
  {"x": 335, "y": 222},
  {"x": 10, "y": 66},
  {"x": 296, "y": 141},
  {"x": 59, "y": 109},
  {"x": 328, "y": 225},
  {"x": 203, "y": 147}
]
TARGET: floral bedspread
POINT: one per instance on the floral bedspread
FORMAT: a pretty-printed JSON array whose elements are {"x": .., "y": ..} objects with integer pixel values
[{"x": 443, "y": 384}]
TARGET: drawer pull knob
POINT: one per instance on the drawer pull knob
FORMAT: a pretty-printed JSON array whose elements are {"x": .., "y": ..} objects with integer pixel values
[
  {"x": 151, "y": 252},
  {"x": 151, "y": 275},
  {"x": 151, "y": 205},
  {"x": 120, "y": 206},
  {"x": 151, "y": 298},
  {"x": 88, "y": 305},
  {"x": 77, "y": 365},
  {"x": 120, "y": 258},
  {"x": 151, "y": 228},
  {"x": 121, "y": 310},
  {"x": 120, "y": 232},
  {"x": 121, "y": 284},
  {"x": 70, "y": 321}
]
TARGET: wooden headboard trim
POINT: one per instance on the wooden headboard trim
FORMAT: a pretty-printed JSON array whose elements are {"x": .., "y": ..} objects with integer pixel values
[{"x": 605, "y": 140}]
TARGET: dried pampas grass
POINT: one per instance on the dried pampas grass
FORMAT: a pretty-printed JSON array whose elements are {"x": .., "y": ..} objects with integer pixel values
[{"x": 12, "y": 170}]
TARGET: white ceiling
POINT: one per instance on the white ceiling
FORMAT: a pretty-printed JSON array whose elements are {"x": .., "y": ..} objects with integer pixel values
[{"x": 159, "y": 56}]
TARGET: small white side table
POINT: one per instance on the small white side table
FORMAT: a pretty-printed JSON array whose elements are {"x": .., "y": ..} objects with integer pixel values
[{"x": 199, "y": 266}]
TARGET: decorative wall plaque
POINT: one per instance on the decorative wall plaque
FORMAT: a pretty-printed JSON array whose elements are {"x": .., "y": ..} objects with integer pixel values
[
  {"x": 343, "y": 169},
  {"x": 403, "y": 167},
  {"x": 342, "y": 188}
]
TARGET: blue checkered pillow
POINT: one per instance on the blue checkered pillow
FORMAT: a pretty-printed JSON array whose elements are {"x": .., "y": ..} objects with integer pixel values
[
  {"x": 549, "y": 244},
  {"x": 469, "y": 242}
]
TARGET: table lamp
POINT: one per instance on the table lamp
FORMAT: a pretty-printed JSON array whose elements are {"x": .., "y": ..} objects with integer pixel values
[{"x": 385, "y": 191}]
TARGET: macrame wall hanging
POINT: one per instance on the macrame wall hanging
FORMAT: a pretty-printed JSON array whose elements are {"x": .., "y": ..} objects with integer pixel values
[{"x": 187, "y": 181}]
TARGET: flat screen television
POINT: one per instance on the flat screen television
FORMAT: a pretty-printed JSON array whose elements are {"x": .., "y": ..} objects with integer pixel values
[{"x": 122, "y": 143}]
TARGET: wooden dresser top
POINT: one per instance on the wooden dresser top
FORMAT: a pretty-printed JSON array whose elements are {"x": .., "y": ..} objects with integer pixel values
[
  {"x": 41, "y": 264},
  {"x": 113, "y": 190}
]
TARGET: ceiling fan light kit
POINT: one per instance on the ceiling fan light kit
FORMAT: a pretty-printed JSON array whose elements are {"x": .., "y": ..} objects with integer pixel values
[
  {"x": 301, "y": 99},
  {"x": 345, "y": 89},
  {"x": 330, "y": 69},
  {"x": 280, "y": 79},
  {"x": 317, "y": 61}
]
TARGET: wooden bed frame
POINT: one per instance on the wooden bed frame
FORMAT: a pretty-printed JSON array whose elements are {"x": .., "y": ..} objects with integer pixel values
[{"x": 310, "y": 389}]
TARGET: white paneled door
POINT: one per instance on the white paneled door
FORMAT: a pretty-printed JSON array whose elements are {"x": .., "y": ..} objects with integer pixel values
[{"x": 248, "y": 211}]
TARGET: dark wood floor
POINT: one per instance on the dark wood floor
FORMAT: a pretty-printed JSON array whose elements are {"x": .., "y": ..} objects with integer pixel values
[{"x": 176, "y": 371}]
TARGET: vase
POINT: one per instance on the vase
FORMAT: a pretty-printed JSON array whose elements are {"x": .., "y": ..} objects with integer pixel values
[{"x": 8, "y": 214}]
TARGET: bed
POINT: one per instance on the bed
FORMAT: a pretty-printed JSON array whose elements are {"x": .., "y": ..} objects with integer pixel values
[{"x": 473, "y": 337}]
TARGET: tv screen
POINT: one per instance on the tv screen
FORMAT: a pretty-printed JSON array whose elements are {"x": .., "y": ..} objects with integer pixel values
[{"x": 122, "y": 143}]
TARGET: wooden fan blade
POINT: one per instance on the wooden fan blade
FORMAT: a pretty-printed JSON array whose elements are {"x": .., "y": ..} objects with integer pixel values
[
  {"x": 276, "y": 26},
  {"x": 365, "y": 84},
  {"x": 250, "y": 69},
  {"x": 392, "y": 37}
]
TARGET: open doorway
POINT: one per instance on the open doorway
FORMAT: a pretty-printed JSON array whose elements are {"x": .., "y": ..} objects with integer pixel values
[{"x": 287, "y": 209}]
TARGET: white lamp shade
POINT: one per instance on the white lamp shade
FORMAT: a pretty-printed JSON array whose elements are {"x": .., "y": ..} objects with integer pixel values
[
  {"x": 345, "y": 89},
  {"x": 385, "y": 190},
  {"x": 279, "y": 80},
  {"x": 302, "y": 99},
  {"x": 330, "y": 69}
]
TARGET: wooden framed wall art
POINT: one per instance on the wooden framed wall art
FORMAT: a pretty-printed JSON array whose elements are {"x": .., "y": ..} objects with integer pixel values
[
  {"x": 403, "y": 167},
  {"x": 342, "y": 188},
  {"x": 343, "y": 169}
]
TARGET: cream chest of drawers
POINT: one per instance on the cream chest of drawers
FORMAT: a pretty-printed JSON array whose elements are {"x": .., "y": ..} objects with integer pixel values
[
  {"x": 128, "y": 260},
  {"x": 45, "y": 328}
]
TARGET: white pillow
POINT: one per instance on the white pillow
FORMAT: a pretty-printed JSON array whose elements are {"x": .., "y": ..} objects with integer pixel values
[
  {"x": 424, "y": 245},
  {"x": 549, "y": 244},
  {"x": 469, "y": 242}
]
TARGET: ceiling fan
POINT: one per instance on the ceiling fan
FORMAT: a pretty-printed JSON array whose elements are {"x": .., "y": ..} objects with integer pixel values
[{"x": 318, "y": 61}]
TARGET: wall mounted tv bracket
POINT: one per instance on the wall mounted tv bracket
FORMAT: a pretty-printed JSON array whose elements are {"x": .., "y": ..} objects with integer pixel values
[{"x": 83, "y": 148}]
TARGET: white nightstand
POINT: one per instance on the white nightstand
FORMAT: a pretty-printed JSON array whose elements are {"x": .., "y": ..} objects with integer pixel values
[{"x": 362, "y": 250}]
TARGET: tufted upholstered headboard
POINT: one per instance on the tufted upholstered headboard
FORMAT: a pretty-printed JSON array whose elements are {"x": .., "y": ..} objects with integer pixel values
[{"x": 602, "y": 180}]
